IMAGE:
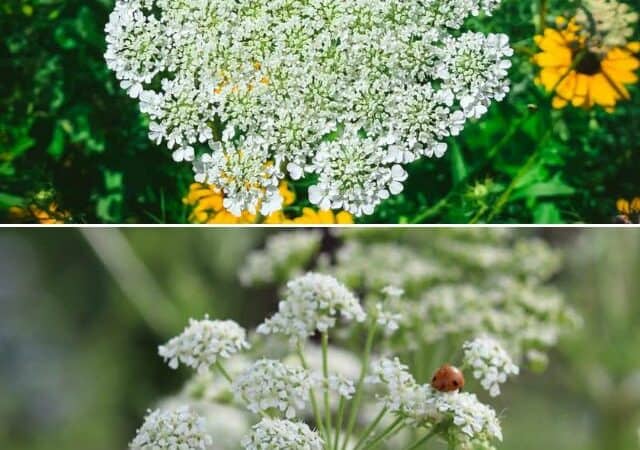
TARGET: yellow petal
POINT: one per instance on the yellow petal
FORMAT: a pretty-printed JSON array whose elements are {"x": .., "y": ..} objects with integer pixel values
[
  {"x": 288, "y": 196},
  {"x": 581, "y": 91},
  {"x": 325, "y": 216},
  {"x": 560, "y": 57},
  {"x": 343, "y": 217},
  {"x": 623, "y": 206},
  {"x": 558, "y": 103}
]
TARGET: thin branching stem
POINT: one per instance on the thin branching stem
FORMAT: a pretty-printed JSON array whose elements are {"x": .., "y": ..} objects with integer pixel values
[
  {"x": 223, "y": 371},
  {"x": 371, "y": 428},
  {"x": 355, "y": 406},
  {"x": 392, "y": 429},
  {"x": 312, "y": 395},
  {"x": 325, "y": 374},
  {"x": 336, "y": 440}
]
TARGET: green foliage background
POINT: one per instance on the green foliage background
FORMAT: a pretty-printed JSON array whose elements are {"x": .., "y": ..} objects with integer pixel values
[
  {"x": 69, "y": 133},
  {"x": 79, "y": 331}
]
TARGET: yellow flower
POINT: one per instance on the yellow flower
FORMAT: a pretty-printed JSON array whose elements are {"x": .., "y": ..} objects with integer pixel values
[
  {"x": 629, "y": 212},
  {"x": 581, "y": 74},
  {"x": 312, "y": 217},
  {"x": 207, "y": 208},
  {"x": 288, "y": 196},
  {"x": 48, "y": 215},
  {"x": 207, "y": 203}
]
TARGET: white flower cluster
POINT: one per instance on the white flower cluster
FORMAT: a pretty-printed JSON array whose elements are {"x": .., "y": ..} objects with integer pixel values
[
  {"x": 275, "y": 434},
  {"x": 368, "y": 265},
  {"x": 342, "y": 385},
  {"x": 491, "y": 363},
  {"x": 401, "y": 390},
  {"x": 386, "y": 313},
  {"x": 613, "y": 22},
  {"x": 179, "y": 429},
  {"x": 311, "y": 303},
  {"x": 345, "y": 93},
  {"x": 282, "y": 253},
  {"x": 202, "y": 342},
  {"x": 472, "y": 417},
  {"x": 462, "y": 282},
  {"x": 422, "y": 404},
  {"x": 522, "y": 316},
  {"x": 269, "y": 384}
]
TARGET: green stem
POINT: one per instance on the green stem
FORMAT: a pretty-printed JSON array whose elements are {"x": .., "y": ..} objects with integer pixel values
[
  {"x": 504, "y": 198},
  {"x": 388, "y": 432},
  {"x": 325, "y": 373},
  {"x": 355, "y": 406},
  {"x": 423, "y": 439},
  {"x": 479, "y": 214},
  {"x": 312, "y": 395},
  {"x": 223, "y": 371},
  {"x": 336, "y": 439},
  {"x": 542, "y": 19},
  {"x": 493, "y": 151},
  {"x": 370, "y": 428}
]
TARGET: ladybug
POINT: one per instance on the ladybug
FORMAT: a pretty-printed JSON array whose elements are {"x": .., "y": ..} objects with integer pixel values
[{"x": 447, "y": 379}]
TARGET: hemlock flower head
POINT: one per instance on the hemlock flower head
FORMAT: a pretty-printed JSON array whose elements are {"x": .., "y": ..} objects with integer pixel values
[
  {"x": 269, "y": 384},
  {"x": 276, "y": 434},
  {"x": 582, "y": 68},
  {"x": 386, "y": 313},
  {"x": 472, "y": 418},
  {"x": 203, "y": 342},
  {"x": 491, "y": 364},
  {"x": 462, "y": 283},
  {"x": 341, "y": 385},
  {"x": 341, "y": 94},
  {"x": 312, "y": 302},
  {"x": 281, "y": 252},
  {"x": 179, "y": 429},
  {"x": 464, "y": 417},
  {"x": 401, "y": 392}
]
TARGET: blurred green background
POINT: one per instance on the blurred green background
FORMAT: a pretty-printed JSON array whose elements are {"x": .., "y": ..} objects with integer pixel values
[
  {"x": 79, "y": 332},
  {"x": 69, "y": 136}
]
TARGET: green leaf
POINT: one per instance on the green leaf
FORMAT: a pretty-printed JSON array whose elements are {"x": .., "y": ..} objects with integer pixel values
[
  {"x": 22, "y": 144},
  {"x": 546, "y": 213},
  {"x": 56, "y": 146},
  {"x": 458, "y": 166},
  {"x": 552, "y": 188},
  {"x": 8, "y": 200}
]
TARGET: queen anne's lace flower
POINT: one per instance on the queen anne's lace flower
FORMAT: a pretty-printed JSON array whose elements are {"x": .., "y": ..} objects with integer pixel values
[
  {"x": 491, "y": 363},
  {"x": 249, "y": 178},
  {"x": 312, "y": 303},
  {"x": 203, "y": 342},
  {"x": 274, "y": 434},
  {"x": 171, "y": 430},
  {"x": 136, "y": 46},
  {"x": 269, "y": 384},
  {"x": 344, "y": 93},
  {"x": 613, "y": 21}
]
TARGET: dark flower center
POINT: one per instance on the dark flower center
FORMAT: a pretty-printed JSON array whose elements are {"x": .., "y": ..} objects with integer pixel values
[{"x": 589, "y": 64}]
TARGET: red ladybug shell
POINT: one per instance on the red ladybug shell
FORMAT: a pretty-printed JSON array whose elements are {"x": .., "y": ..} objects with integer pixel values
[{"x": 447, "y": 378}]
